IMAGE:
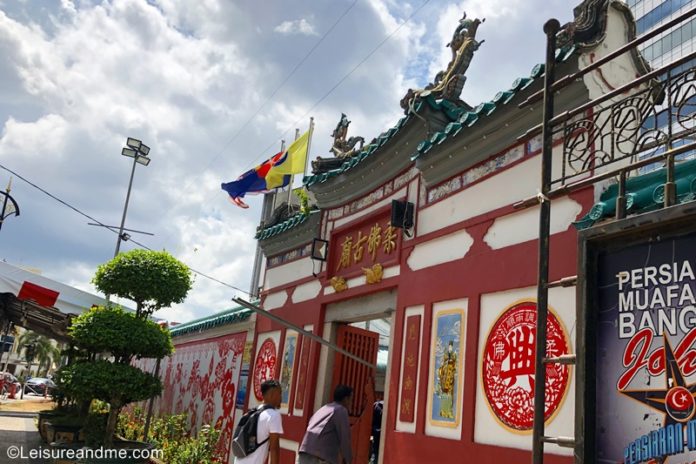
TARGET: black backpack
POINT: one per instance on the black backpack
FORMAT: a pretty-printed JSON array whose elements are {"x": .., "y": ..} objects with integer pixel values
[{"x": 244, "y": 441}]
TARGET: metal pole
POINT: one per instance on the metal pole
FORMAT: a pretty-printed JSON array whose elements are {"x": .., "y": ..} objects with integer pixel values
[
  {"x": 302, "y": 331},
  {"x": 125, "y": 208},
  {"x": 551, "y": 29},
  {"x": 292, "y": 176},
  {"x": 149, "y": 407},
  {"x": 275, "y": 194},
  {"x": 266, "y": 211},
  {"x": 309, "y": 144}
]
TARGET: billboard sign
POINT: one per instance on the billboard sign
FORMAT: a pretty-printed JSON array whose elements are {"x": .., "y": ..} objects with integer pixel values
[{"x": 640, "y": 328}]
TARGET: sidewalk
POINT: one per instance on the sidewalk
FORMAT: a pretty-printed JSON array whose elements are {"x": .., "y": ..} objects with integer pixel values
[{"x": 17, "y": 429}]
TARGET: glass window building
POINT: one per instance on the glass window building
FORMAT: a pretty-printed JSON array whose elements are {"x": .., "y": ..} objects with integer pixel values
[{"x": 665, "y": 48}]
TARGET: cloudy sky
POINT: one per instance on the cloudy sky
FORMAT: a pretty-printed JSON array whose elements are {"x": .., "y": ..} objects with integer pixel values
[{"x": 199, "y": 81}]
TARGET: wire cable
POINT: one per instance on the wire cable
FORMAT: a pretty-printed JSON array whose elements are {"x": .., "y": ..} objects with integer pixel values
[
  {"x": 91, "y": 218},
  {"x": 338, "y": 84},
  {"x": 275, "y": 91},
  {"x": 265, "y": 151}
]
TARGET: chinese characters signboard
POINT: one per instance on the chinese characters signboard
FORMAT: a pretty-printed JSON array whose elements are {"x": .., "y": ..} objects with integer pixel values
[
  {"x": 645, "y": 309},
  {"x": 302, "y": 373},
  {"x": 508, "y": 366},
  {"x": 410, "y": 376},
  {"x": 373, "y": 241}
]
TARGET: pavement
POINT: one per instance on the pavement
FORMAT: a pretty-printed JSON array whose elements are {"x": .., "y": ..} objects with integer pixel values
[{"x": 18, "y": 429}]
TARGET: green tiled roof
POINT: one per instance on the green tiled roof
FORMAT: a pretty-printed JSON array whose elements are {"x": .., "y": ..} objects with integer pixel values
[
  {"x": 289, "y": 223},
  {"x": 485, "y": 109},
  {"x": 644, "y": 193},
  {"x": 452, "y": 111},
  {"x": 228, "y": 316}
]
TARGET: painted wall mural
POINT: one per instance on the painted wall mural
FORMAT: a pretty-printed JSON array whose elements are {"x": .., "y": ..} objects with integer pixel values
[
  {"x": 265, "y": 365},
  {"x": 508, "y": 366},
  {"x": 287, "y": 369},
  {"x": 302, "y": 373},
  {"x": 201, "y": 379},
  {"x": 445, "y": 389}
]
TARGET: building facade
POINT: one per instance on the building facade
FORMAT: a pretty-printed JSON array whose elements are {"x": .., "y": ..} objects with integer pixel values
[
  {"x": 457, "y": 287},
  {"x": 414, "y": 255}
]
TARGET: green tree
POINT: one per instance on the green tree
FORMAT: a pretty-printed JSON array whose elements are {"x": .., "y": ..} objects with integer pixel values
[
  {"x": 152, "y": 279},
  {"x": 122, "y": 336},
  {"x": 38, "y": 349}
]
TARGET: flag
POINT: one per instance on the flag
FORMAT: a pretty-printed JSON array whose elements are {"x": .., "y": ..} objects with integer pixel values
[{"x": 272, "y": 174}]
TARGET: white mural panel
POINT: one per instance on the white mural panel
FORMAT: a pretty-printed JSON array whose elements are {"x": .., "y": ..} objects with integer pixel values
[
  {"x": 440, "y": 250},
  {"x": 275, "y": 300},
  {"x": 306, "y": 291},
  {"x": 506, "y": 188},
  {"x": 505, "y": 370},
  {"x": 287, "y": 273},
  {"x": 287, "y": 368},
  {"x": 524, "y": 226},
  {"x": 444, "y": 409},
  {"x": 514, "y": 184}
]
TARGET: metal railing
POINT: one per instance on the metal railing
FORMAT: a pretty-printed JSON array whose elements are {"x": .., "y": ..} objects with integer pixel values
[{"x": 648, "y": 120}]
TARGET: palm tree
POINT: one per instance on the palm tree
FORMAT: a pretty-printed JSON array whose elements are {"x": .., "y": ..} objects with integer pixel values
[{"x": 43, "y": 351}]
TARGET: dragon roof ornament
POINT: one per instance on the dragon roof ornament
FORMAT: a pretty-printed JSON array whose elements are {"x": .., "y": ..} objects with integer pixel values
[
  {"x": 448, "y": 83},
  {"x": 341, "y": 148}
]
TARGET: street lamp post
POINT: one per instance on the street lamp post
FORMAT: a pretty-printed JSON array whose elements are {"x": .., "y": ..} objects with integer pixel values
[{"x": 139, "y": 152}]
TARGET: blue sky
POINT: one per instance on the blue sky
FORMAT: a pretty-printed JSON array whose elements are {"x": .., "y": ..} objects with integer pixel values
[{"x": 78, "y": 77}]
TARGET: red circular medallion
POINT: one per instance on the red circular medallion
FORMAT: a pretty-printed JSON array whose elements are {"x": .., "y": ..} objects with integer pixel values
[
  {"x": 680, "y": 404},
  {"x": 508, "y": 366},
  {"x": 264, "y": 367}
]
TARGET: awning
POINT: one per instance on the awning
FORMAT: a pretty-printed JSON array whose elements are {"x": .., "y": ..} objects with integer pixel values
[
  {"x": 29, "y": 286},
  {"x": 41, "y": 304}
]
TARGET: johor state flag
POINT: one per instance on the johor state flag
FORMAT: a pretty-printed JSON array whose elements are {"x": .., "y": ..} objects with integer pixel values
[{"x": 271, "y": 174}]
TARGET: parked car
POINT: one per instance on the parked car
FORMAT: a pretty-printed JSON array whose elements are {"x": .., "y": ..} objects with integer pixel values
[{"x": 39, "y": 385}]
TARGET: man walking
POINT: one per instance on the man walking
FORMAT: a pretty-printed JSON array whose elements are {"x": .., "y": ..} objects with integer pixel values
[
  {"x": 329, "y": 432},
  {"x": 269, "y": 427}
]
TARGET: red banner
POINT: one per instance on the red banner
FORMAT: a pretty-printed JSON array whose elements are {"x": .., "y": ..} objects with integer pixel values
[
  {"x": 41, "y": 295},
  {"x": 408, "y": 382},
  {"x": 302, "y": 373},
  {"x": 370, "y": 242}
]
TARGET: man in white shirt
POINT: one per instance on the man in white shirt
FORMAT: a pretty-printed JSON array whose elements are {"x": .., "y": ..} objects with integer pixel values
[{"x": 270, "y": 427}]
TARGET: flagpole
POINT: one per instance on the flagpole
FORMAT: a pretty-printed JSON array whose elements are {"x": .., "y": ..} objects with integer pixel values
[
  {"x": 275, "y": 193},
  {"x": 309, "y": 144},
  {"x": 292, "y": 176}
]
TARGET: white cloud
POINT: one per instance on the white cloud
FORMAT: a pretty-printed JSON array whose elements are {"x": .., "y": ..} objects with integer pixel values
[
  {"x": 298, "y": 26},
  {"x": 185, "y": 77}
]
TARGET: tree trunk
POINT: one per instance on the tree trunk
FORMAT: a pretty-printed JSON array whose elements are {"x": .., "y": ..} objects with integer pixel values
[{"x": 111, "y": 425}]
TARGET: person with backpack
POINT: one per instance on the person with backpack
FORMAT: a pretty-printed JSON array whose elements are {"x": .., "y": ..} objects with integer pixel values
[
  {"x": 329, "y": 431},
  {"x": 257, "y": 435}
]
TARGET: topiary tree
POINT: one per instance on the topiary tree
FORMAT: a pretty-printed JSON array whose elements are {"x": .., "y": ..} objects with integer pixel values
[
  {"x": 123, "y": 336},
  {"x": 152, "y": 279}
]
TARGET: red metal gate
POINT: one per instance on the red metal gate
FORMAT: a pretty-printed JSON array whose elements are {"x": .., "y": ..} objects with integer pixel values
[{"x": 363, "y": 344}]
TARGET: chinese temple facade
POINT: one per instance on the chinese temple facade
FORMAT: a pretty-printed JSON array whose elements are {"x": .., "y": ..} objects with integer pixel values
[
  {"x": 412, "y": 255},
  {"x": 441, "y": 301}
]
